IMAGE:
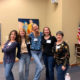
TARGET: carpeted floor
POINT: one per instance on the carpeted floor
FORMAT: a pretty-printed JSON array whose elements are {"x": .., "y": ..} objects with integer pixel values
[{"x": 74, "y": 72}]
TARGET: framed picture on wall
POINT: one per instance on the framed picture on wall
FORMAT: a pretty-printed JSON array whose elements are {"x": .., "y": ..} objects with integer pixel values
[
  {"x": 27, "y": 24},
  {"x": 0, "y": 34}
]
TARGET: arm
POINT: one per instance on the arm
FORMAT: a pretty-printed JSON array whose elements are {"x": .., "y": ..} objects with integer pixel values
[
  {"x": 18, "y": 51},
  {"x": 10, "y": 48},
  {"x": 42, "y": 40},
  {"x": 4, "y": 46},
  {"x": 53, "y": 40},
  {"x": 30, "y": 35},
  {"x": 67, "y": 54}
]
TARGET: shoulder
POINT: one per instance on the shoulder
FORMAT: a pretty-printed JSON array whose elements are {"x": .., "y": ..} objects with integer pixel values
[
  {"x": 53, "y": 38},
  {"x": 41, "y": 33},
  {"x": 31, "y": 34},
  {"x": 15, "y": 42},
  {"x": 7, "y": 42},
  {"x": 42, "y": 37},
  {"x": 65, "y": 43}
]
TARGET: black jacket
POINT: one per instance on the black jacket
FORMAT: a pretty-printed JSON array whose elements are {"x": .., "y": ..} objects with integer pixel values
[{"x": 19, "y": 49}]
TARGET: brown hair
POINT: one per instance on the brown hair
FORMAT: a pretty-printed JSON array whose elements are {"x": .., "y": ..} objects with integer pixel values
[
  {"x": 15, "y": 33},
  {"x": 26, "y": 36},
  {"x": 61, "y": 33},
  {"x": 48, "y": 29}
]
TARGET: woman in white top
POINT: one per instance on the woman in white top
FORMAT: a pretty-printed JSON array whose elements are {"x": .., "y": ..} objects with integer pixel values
[{"x": 23, "y": 54}]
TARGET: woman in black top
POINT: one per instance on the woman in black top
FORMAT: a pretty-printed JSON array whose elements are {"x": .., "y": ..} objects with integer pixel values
[
  {"x": 61, "y": 54},
  {"x": 47, "y": 43}
]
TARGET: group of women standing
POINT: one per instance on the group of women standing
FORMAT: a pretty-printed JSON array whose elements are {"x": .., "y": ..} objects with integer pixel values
[{"x": 54, "y": 50}]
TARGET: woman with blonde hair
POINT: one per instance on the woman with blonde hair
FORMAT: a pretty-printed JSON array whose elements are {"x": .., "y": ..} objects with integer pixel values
[
  {"x": 36, "y": 50},
  {"x": 23, "y": 54}
]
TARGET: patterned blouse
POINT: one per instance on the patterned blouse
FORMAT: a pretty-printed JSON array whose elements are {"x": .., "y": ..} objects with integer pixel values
[
  {"x": 9, "y": 52},
  {"x": 61, "y": 53}
]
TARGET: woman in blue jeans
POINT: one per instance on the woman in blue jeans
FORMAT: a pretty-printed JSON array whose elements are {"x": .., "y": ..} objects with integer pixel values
[
  {"x": 9, "y": 49},
  {"x": 61, "y": 50},
  {"x": 23, "y": 55},
  {"x": 36, "y": 50},
  {"x": 48, "y": 43}
]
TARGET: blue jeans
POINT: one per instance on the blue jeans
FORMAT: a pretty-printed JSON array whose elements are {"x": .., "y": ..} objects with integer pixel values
[
  {"x": 49, "y": 65},
  {"x": 8, "y": 71},
  {"x": 24, "y": 65},
  {"x": 37, "y": 57},
  {"x": 60, "y": 72}
]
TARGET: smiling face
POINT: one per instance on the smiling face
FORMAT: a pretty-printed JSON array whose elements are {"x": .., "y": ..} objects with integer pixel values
[
  {"x": 46, "y": 31},
  {"x": 13, "y": 36},
  {"x": 35, "y": 28},
  {"x": 59, "y": 37},
  {"x": 22, "y": 32}
]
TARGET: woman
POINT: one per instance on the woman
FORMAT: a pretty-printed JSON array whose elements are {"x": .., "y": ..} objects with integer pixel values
[
  {"x": 48, "y": 43},
  {"x": 9, "y": 49},
  {"x": 62, "y": 55},
  {"x": 23, "y": 54},
  {"x": 36, "y": 50}
]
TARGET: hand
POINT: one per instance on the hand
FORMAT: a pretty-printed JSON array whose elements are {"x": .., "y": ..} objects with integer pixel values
[
  {"x": 32, "y": 58},
  {"x": 2, "y": 46},
  {"x": 63, "y": 68}
]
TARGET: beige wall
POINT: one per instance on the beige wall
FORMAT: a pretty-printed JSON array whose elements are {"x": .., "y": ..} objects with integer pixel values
[
  {"x": 54, "y": 16},
  {"x": 66, "y": 17},
  {"x": 11, "y": 10},
  {"x": 70, "y": 22}
]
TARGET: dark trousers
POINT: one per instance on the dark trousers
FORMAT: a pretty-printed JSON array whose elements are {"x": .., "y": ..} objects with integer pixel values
[
  {"x": 49, "y": 65},
  {"x": 60, "y": 72}
]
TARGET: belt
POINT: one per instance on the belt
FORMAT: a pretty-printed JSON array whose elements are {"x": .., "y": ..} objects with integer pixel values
[
  {"x": 24, "y": 53},
  {"x": 35, "y": 50}
]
